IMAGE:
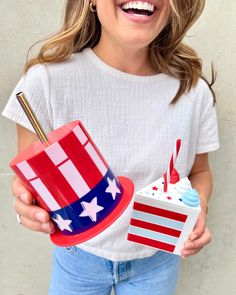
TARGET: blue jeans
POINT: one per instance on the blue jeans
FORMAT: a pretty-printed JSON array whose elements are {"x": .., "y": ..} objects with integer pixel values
[{"x": 77, "y": 272}]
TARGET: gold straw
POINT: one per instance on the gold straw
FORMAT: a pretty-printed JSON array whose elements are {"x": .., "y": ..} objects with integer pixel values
[{"x": 32, "y": 117}]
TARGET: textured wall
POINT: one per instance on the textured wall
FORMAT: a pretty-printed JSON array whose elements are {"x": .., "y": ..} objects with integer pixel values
[{"x": 25, "y": 256}]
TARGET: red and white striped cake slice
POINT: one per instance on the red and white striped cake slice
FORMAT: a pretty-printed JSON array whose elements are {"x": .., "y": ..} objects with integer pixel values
[{"x": 160, "y": 224}]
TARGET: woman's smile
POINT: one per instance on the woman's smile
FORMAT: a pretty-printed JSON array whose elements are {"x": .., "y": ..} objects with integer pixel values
[{"x": 138, "y": 11}]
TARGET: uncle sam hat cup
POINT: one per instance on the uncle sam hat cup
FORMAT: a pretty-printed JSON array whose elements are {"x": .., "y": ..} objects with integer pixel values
[{"x": 70, "y": 179}]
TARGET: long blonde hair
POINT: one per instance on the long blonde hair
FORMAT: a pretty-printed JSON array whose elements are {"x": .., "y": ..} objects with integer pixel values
[{"x": 168, "y": 53}]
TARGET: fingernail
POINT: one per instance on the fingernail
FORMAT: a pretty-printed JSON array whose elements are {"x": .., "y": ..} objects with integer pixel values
[
  {"x": 23, "y": 197},
  {"x": 46, "y": 227},
  {"x": 52, "y": 228},
  {"x": 193, "y": 236},
  {"x": 185, "y": 253},
  {"x": 40, "y": 217}
]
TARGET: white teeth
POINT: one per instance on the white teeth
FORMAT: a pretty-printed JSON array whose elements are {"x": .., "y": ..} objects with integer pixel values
[{"x": 138, "y": 5}]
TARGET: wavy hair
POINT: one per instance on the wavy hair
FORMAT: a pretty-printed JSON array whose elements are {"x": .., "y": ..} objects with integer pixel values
[{"x": 168, "y": 54}]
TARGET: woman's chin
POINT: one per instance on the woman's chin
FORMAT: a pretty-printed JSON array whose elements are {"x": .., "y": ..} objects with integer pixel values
[{"x": 136, "y": 42}]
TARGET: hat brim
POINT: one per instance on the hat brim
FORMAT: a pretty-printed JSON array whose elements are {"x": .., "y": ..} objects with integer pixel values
[{"x": 64, "y": 241}]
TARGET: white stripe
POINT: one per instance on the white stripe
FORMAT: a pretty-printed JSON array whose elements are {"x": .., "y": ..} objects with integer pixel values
[
  {"x": 80, "y": 134},
  {"x": 56, "y": 153},
  {"x": 95, "y": 157},
  {"x": 26, "y": 170},
  {"x": 74, "y": 178},
  {"x": 159, "y": 220},
  {"x": 45, "y": 194},
  {"x": 150, "y": 234}
]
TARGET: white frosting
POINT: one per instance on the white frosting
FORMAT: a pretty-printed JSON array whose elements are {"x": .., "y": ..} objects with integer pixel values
[
  {"x": 183, "y": 186},
  {"x": 174, "y": 193}
]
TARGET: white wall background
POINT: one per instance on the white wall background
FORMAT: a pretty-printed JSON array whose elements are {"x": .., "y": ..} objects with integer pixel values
[{"x": 24, "y": 255}]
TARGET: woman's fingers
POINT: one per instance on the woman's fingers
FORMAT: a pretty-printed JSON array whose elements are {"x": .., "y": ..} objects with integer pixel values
[
  {"x": 199, "y": 227},
  {"x": 34, "y": 217},
  {"x": 30, "y": 215},
  {"x": 32, "y": 212},
  {"x": 37, "y": 226},
  {"x": 20, "y": 191},
  {"x": 192, "y": 247}
]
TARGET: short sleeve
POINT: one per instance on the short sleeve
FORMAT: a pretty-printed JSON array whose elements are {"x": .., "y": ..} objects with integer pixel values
[
  {"x": 208, "y": 139},
  {"x": 35, "y": 85}
]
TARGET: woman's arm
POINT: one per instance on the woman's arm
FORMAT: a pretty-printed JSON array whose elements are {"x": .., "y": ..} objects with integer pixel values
[{"x": 201, "y": 180}]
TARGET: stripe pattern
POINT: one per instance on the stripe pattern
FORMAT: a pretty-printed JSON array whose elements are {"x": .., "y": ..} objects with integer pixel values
[
  {"x": 155, "y": 227},
  {"x": 68, "y": 174}
]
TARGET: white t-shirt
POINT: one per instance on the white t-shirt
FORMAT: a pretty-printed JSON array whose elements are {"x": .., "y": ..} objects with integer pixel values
[{"x": 130, "y": 119}]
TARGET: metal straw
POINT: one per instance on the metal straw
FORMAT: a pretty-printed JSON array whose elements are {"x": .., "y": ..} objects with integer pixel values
[{"x": 32, "y": 117}]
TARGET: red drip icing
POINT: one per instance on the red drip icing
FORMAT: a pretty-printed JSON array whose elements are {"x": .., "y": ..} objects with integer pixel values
[{"x": 174, "y": 178}]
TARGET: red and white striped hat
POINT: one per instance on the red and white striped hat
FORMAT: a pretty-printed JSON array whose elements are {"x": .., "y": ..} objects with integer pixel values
[{"x": 73, "y": 182}]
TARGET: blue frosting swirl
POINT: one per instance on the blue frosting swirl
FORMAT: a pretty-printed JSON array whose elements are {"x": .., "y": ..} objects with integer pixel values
[{"x": 191, "y": 198}]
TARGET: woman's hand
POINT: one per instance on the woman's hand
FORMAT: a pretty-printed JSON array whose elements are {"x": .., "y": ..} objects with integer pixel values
[
  {"x": 31, "y": 216},
  {"x": 199, "y": 237},
  {"x": 201, "y": 180}
]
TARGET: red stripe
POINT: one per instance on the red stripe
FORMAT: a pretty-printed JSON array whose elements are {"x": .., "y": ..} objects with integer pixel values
[
  {"x": 150, "y": 242},
  {"x": 53, "y": 179},
  {"x": 178, "y": 144},
  {"x": 171, "y": 164},
  {"x": 156, "y": 227},
  {"x": 165, "y": 182},
  {"x": 81, "y": 159},
  {"x": 177, "y": 147},
  {"x": 160, "y": 212},
  {"x": 31, "y": 189}
]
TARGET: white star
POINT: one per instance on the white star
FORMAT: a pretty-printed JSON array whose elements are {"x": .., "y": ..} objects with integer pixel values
[
  {"x": 63, "y": 223},
  {"x": 91, "y": 209},
  {"x": 112, "y": 188}
]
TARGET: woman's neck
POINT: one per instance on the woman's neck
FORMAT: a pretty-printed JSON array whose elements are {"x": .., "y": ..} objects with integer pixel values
[{"x": 127, "y": 60}]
